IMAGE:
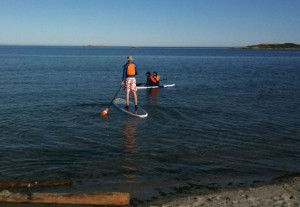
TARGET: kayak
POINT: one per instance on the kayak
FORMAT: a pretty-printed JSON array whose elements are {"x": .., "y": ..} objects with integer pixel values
[
  {"x": 120, "y": 103},
  {"x": 143, "y": 86}
]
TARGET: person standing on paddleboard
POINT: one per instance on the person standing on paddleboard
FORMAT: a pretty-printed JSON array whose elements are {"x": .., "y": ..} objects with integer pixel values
[{"x": 129, "y": 81}]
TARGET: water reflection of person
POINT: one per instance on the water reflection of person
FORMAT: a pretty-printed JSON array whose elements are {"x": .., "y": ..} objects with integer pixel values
[
  {"x": 152, "y": 96},
  {"x": 130, "y": 148}
]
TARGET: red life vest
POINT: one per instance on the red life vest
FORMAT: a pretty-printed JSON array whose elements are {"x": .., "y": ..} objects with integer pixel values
[
  {"x": 153, "y": 80},
  {"x": 130, "y": 69}
]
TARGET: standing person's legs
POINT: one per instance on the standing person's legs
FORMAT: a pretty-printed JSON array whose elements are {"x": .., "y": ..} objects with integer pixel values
[
  {"x": 131, "y": 86},
  {"x": 127, "y": 97},
  {"x": 135, "y": 97},
  {"x": 133, "y": 89},
  {"x": 127, "y": 90}
]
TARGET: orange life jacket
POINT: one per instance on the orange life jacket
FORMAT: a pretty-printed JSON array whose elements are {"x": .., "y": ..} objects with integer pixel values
[
  {"x": 131, "y": 69},
  {"x": 157, "y": 78}
]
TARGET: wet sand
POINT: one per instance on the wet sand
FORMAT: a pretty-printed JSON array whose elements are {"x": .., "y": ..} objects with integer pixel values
[{"x": 282, "y": 192}]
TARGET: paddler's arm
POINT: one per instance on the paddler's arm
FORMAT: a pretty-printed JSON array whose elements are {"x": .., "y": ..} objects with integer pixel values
[
  {"x": 136, "y": 69},
  {"x": 124, "y": 74}
]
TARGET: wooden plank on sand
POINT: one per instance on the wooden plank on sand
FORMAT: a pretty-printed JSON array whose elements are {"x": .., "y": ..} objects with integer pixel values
[{"x": 107, "y": 199}]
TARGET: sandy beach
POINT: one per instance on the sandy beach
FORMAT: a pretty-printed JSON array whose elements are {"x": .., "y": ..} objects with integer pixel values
[{"x": 281, "y": 192}]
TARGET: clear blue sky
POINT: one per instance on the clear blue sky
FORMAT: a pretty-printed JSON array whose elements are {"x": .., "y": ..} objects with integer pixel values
[{"x": 149, "y": 22}]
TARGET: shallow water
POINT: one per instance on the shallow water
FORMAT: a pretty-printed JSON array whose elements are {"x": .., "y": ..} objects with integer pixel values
[{"x": 233, "y": 118}]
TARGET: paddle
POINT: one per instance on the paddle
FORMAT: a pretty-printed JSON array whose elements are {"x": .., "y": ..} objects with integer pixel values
[{"x": 105, "y": 111}]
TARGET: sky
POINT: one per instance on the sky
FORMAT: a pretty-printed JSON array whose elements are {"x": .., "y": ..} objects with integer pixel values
[{"x": 190, "y": 23}]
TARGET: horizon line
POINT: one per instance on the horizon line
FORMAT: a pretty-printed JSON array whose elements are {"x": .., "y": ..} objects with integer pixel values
[
  {"x": 103, "y": 46},
  {"x": 131, "y": 46}
]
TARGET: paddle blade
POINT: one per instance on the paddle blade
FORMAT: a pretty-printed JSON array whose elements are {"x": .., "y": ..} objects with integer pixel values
[{"x": 104, "y": 112}]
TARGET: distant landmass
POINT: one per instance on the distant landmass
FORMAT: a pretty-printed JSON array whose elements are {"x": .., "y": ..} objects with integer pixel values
[
  {"x": 273, "y": 46},
  {"x": 96, "y": 45}
]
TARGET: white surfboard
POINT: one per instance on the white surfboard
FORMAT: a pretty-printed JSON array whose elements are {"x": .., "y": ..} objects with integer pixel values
[
  {"x": 160, "y": 86},
  {"x": 120, "y": 103}
]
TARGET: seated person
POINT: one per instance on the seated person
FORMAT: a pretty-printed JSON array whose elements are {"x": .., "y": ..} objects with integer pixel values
[
  {"x": 152, "y": 80},
  {"x": 148, "y": 81}
]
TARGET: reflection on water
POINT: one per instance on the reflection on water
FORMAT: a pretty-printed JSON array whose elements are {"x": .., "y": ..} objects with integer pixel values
[
  {"x": 106, "y": 129},
  {"x": 130, "y": 148},
  {"x": 152, "y": 95}
]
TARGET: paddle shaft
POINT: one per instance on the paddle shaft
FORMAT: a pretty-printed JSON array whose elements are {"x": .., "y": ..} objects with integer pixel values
[{"x": 109, "y": 105}]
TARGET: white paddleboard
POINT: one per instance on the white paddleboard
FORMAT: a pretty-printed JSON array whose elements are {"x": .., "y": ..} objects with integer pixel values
[
  {"x": 120, "y": 103},
  {"x": 160, "y": 86}
]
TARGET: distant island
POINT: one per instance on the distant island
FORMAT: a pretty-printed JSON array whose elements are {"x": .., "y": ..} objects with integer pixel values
[
  {"x": 95, "y": 45},
  {"x": 273, "y": 46}
]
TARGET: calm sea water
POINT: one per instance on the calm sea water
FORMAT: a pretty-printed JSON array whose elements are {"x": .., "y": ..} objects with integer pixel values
[{"x": 233, "y": 118}]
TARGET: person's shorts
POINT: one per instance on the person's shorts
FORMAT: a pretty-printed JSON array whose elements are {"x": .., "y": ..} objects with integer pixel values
[{"x": 130, "y": 84}]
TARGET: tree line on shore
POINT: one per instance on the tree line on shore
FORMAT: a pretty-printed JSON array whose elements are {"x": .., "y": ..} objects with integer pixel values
[{"x": 273, "y": 46}]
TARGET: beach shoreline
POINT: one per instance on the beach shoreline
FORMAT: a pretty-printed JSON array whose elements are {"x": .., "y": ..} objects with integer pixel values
[{"x": 283, "y": 191}]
